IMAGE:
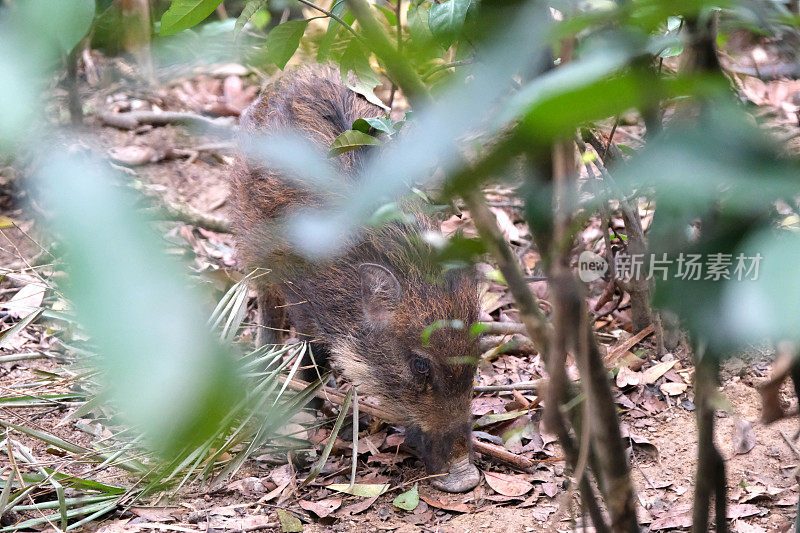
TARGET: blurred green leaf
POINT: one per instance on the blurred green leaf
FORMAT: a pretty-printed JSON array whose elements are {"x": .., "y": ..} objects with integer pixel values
[
  {"x": 418, "y": 27},
  {"x": 447, "y": 19},
  {"x": 391, "y": 16},
  {"x": 184, "y": 14},
  {"x": 355, "y": 60},
  {"x": 261, "y": 18},
  {"x": 161, "y": 366},
  {"x": 351, "y": 140},
  {"x": 334, "y": 29},
  {"x": 250, "y": 9},
  {"x": 283, "y": 40},
  {"x": 65, "y": 22}
]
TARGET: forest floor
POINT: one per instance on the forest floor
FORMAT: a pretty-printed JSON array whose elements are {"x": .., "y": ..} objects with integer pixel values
[{"x": 654, "y": 394}]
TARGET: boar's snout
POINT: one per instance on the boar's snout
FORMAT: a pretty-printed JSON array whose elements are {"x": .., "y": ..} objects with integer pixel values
[
  {"x": 461, "y": 477},
  {"x": 447, "y": 451}
]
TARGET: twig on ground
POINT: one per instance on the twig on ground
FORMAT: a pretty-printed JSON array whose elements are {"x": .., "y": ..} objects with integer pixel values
[
  {"x": 133, "y": 119},
  {"x": 497, "y": 345},
  {"x": 521, "y": 385},
  {"x": 503, "y": 328},
  {"x": 189, "y": 215},
  {"x": 628, "y": 344}
]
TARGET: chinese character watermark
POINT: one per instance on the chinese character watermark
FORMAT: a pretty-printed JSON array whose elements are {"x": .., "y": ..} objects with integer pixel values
[{"x": 688, "y": 267}]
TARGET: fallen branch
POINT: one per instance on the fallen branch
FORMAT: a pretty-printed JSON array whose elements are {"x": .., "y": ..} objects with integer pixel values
[
  {"x": 492, "y": 450},
  {"x": 134, "y": 119},
  {"x": 628, "y": 344},
  {"x": 521, "y": 385},
  {"x": 504, "y": 328},
  {"x": 502, "y": 344},
  {"x": 189, "y": 215}
]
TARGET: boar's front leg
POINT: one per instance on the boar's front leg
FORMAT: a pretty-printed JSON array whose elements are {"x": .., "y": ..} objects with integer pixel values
[{"x": 271, "y": 316}]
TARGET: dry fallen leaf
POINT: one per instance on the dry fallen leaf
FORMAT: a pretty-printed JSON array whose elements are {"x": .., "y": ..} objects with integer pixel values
[
  {"x": 26, "y": 300},
  {"x": 321, "y": 508},
  {"x": 550, "y": 488},
  {"x": 158, "y": 514},
  {"x": 458, "y": 507},
  {"x": 652, "y": 374},
  {"x": 508, "y": 484},
  {"x": 275, "y": 492},
  {"x": 358, "y": 507},
  {"x": 627, "y": 377},
  {"x": 510, "y": 231},
  {"x": 744, "y": 438},
  {"x": 673, "y": 389}
]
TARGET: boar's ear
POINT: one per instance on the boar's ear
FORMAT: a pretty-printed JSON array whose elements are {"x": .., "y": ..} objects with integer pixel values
[{"x": 380, "y": 291}]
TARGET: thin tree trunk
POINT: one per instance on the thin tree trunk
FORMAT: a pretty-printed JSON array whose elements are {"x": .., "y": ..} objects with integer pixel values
[
  {"x": 136, "y": 35},
  {"x": 710, "y": 478}
]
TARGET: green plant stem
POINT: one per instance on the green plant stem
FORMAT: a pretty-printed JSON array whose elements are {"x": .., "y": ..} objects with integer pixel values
[
  {"x": 398, "y": 69},
  {"x": 445, "y": 66},
  {"x": 337, "y": 18}
]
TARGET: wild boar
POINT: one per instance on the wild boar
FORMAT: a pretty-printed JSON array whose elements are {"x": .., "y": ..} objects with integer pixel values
[{"x": 367, "y": 308}]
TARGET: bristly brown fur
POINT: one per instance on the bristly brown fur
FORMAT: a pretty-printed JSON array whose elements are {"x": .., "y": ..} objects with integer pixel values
[{"x": 328, "y": 303}]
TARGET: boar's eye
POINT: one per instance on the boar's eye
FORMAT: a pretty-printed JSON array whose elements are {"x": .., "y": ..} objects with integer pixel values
[{"x": 421, "y": 365}]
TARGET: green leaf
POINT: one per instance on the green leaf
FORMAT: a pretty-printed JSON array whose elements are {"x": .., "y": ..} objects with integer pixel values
[
  {"x": 365, "y": 490},
  {"x": 496, "y": 276},
  {"x": 351, "y": 140},
  {"x": 158, "y": 361},
  {"x": 407, "y": 501},
  {"x": 283, "y": 40},
  {"x": 391, "y": 16},
  {"x": 334, "y": 28},
  {"x": 261, "y": 19},
  {"x": 447, "y": 19},
  {"x": 289, "y": 522},
  {"x": 418, "y": 27},
  {"x": 62, "y": 23},
  {"x": 355, "y": 59},
  {"x": 383, "y": 124},
  {"x": 183, "y": 14},
  {"x": 248, "y": 12}
]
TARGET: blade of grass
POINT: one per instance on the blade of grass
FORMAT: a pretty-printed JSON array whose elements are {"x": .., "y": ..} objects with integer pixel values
[
  {"x": 24, "y": 357},
  {"x": 331, "y": 440},
  {"x": 62, "y": 503},
  {"x": 8, "y": 334},
  {"x": 237, "y": 314},
  {"x": 69, "y": 501},
  {"x": 5, "y": 496},
  {"x": 93, "y": 516},
  {"x": 299, "y": 359},
  {"x": 71, "y": 513},
  {"x": 30, "y": 400},
  {"x": 68, "y": 446}
]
